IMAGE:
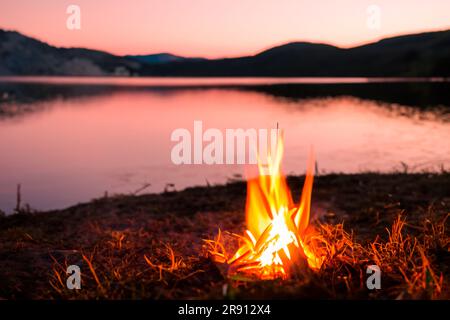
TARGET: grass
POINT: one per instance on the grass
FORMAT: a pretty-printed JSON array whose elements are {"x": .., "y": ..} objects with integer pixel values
[
  {"x": 151, "y": 246},
  {"x": 405, "y": 262}
]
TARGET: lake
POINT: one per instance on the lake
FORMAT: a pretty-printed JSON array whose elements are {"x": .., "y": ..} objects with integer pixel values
[{"x": 68, "y": 140}]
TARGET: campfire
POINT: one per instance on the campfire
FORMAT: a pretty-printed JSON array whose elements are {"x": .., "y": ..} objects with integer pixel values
[
  {"x": 279, "y": 237},
  {"x": 279, "y": 241}
]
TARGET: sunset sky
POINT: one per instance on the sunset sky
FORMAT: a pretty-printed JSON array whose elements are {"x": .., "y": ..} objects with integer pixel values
[{"x": 212, "y": 28}]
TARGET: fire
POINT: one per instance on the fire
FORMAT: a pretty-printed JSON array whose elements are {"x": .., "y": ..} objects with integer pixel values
[{"x": 278, "y": 234}]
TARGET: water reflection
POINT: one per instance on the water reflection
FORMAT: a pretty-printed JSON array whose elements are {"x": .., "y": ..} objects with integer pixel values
[{"x": 73, "y": 143}]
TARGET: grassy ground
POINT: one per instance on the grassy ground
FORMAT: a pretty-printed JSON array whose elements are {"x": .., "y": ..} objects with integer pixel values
[{"x": 151, "y": 246}]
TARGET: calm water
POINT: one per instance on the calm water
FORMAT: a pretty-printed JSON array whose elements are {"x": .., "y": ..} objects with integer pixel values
[{"x": 70, "y": 141}]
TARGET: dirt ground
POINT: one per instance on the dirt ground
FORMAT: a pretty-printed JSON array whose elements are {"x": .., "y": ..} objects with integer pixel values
[{"x": 152, "y": 246}]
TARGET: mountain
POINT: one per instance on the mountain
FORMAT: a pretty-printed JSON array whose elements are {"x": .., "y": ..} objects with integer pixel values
[
  {"x": 420, "y": 55},
  {"x": 425, "y": 54},
  {"x": 21, "y": 55},
  {"x": 161, "y": 58}
]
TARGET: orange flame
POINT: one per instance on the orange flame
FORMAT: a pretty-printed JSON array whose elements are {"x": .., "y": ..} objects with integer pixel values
[{"x": 278, "y": 230}]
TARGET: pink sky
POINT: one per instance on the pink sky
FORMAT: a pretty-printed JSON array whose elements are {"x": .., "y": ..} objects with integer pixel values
[{"x": 213, "y": 28}]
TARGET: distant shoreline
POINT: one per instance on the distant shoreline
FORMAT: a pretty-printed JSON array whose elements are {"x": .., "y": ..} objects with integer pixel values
[{"x": 172, "y": 81}]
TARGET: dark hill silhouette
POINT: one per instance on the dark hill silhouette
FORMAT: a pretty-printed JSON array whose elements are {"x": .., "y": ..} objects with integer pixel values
[
  {"x": 416, "y": 55},
  {"x": 419, "y": 55},
  {"x": 22, "y": 55}
]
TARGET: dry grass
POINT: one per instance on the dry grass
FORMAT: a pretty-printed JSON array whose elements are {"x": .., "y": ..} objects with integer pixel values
[
  {"x": 150, "y": 246},
  {"x": 119, "y": 268},
  {"x": 125, "y": 267},
  {"x": 405, "y": 260}
]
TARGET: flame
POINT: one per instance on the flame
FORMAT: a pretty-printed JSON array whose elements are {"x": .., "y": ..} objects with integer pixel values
[{"x": 278, "y": 233}]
